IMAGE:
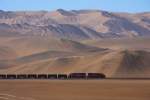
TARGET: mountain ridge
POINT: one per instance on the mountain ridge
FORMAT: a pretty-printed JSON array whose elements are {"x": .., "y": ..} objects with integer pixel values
[{"x": 76, "y": 24}]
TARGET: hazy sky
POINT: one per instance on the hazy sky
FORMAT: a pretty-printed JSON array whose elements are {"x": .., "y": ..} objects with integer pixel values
[{"x": 109, "y": 5}]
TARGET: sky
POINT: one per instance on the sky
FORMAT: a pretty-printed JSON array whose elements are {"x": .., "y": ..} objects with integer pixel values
[{"x": 132, "y": 6}]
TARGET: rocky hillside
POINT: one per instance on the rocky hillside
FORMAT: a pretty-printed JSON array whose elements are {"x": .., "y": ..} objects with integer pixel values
[{"x": 75, "y": 24}]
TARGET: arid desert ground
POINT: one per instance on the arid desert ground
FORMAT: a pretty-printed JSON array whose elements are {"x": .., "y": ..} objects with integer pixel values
[
  {"x": 61, "y": 41},
  {"x": 75, "y": 90}
]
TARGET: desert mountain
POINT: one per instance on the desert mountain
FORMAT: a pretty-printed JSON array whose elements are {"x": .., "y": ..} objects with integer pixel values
[
  {"x": 7, "y": 53},
  {"x": 113, "y": 64},
  {"x": 75, "y": 24},
  {"x": 24, "y": 46},
  {"x": 16, "y": 50},
  {"x": 36, "y": 54},
  {"x": 75, "y": 41}
]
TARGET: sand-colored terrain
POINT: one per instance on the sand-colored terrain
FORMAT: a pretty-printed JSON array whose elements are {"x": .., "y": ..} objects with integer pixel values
[
  {"x": 75, "y": 90},
  {"x": 113, "y": 57},
  {"x": 139, "y": 43}
]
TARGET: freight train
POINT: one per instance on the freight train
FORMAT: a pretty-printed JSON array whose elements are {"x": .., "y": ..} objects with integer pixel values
[{"x": 54, "y": 76}]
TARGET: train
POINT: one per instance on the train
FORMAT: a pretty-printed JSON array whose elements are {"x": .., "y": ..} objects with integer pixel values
[{"x": 54, "y": 76}]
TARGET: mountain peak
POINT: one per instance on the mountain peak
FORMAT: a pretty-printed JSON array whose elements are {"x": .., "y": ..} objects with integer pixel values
[
  {"x": 65, "y": 12},
  {"x": 1, "y": 11},
  {"x": 85, "y": 11}
]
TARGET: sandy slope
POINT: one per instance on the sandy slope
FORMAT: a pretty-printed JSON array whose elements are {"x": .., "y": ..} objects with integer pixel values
[
  {"x": 47, "y": 55},
  {"x": 139, "y": 43},
  {"x": 112, "y": 63},
  {"x": 24, "y": 46}
]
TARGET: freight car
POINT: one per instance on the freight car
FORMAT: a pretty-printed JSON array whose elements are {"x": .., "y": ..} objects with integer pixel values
[
  {"x": 31, "y": 76},
  {"x": 11, "y": 76},
  {"x": 62, "y": 76},
  {"x": 3, "y": 76},
  {"x": 22, "y": 76},
  {"x": 42, "y": 76},
  {"x": 95, "y": 76},
  {"x": 77, "y": 76},
  {"x": 52, "y": 76}
]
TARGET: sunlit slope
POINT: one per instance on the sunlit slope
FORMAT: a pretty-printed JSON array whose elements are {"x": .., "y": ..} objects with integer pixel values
[
  {"x": 7, "y": 53},
  {"x": 30, "y": 49},
  {"x": 24, "y": 46},
  {"x": 138, "y": 43},
  {"x": 112, "y": 63}
]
